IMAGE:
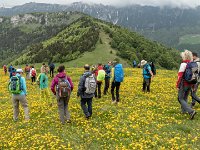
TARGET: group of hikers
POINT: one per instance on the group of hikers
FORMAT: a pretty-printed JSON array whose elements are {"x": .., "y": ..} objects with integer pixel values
[
  {"x": 89, "y": 86},
  {"x": 91, "y": 81}
]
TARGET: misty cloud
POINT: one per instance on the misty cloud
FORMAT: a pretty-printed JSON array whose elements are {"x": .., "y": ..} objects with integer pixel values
[{"x": 118, "y": 3}]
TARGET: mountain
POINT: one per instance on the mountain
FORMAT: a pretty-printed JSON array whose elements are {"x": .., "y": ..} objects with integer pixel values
[
  {"x": 66, "y": 36},
  {"x": 167, "y": 25}
]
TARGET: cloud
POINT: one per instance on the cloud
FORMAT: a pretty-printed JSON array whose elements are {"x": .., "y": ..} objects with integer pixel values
[{"x": 172, "y": 3}]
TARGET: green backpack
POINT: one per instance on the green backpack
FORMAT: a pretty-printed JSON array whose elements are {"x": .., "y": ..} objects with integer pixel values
[
  {"x": 14, "y": 85},
  {"x": 101, "y": 75}
]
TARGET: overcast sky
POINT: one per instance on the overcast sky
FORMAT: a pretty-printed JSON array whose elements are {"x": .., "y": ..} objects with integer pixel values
[{"x": 174, "y": 3}]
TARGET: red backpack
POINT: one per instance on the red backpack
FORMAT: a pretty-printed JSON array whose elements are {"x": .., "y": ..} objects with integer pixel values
[{"x": 33, "y": 73}]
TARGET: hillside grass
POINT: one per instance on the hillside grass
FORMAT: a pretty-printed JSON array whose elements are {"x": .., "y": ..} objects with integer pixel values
[
  {"x": 139, "y": 121},
  {"x": 102, "y": 54},
  {"x": 190, "y": 39}
]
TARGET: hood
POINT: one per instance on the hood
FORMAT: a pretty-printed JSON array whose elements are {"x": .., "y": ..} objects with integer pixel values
[
  {"x": 88, "y": 73},
  {"x": 61, "y": 75}
]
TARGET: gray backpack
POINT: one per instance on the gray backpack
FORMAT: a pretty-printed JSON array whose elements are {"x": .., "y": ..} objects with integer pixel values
[{"x": 90, "y": 84}]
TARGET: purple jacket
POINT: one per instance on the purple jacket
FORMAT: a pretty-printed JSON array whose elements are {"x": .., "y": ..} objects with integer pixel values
[{"x": 55, "y": 81}]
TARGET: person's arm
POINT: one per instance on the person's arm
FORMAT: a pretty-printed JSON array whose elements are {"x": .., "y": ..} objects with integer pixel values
[
  {"x": 112, "y": 74},
  {"x": 180, "y": 74},
  {"x": 24, "y": 85},
  {"x": 42, "y": 78},
  {"x": 71, "y": 83},
  {"x": 53, "y": 84},
  {"x": 80, "y": 86}
]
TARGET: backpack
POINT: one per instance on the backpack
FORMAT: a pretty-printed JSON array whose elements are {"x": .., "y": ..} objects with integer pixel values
[
  {"x": 14, "y": 85},
  {"x": 27, "y": 69},
  {"x": 119, "y": 73},
  {"x": 191, "y": 73},
  {"x": 52, "y": 66},
  {"x": 90, "y": 84},
  {"x": 63, "y": 88},
  {"x": 153, "y": 68},
  {"x": 101, "y": 75},
  {"x": 33, "y": 73}
]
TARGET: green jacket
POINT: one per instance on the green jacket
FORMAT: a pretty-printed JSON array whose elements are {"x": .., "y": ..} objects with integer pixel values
[{"x": 43, "y": 81}]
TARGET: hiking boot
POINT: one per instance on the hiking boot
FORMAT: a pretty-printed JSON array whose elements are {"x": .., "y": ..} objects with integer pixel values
[
  {"x": 192, "y": 105},
  {"x": 68, "y": 121},
  {"x": 114, "y": 102},
  {"x": 192, "y": 115}
]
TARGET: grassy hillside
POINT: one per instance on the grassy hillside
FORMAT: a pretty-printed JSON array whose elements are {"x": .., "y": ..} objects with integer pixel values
[
  {"x": 102, "y": 54},
  {"x": 139, "y": 121}
]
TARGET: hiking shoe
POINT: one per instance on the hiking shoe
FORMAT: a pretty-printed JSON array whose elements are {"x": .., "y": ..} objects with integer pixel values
[
  {"x": 192, "y": 115},
  {"x": 68, "y": 121},
  {"x": 114, "y": 102}
]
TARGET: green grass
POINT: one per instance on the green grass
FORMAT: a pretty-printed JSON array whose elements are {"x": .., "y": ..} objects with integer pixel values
[
  {"x": 101, "y": 54},
  {"x": 190, "y": 39}
]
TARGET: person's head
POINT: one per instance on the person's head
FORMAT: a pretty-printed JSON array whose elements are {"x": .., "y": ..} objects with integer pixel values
[
  {"x": 143, "y": 62},
  {"x": 32, "y": 66},
  {"x": 43, "y": 64},
  {"x": 20, "y": 71},
  {"x": 99, "y": 64},
  {"x": 195, "y": 56},
  {"x": 109, "y": 63},
  {"x": 186, "y": 55},
  {"x": 26, "y": 64},
  {"x": 61, "y": 68},
  {"x": 86, "y": 67}
]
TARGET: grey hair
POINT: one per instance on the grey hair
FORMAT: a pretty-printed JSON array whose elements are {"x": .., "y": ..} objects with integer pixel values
[{"x": 187, "y": 55}]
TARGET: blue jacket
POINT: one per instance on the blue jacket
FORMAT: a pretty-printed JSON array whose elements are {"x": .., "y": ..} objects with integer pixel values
[
  {"x": 146, "y": 71},
  {"x": 23, "y": 85}
]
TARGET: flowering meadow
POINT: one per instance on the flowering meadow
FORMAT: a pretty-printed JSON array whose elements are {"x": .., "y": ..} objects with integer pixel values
[{"x": 139, "y": 121}]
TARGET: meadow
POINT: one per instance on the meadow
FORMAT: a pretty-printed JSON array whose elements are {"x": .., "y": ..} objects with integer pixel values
[{"x": 139, "y": 121}]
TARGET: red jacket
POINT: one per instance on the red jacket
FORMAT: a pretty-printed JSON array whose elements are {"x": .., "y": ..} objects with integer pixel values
[
  {"x": 97, "y": 70},
  {"x": 180, "y": 74}
]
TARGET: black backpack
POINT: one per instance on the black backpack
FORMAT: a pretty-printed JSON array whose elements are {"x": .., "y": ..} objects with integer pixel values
[{"x": 153, "y": 68}]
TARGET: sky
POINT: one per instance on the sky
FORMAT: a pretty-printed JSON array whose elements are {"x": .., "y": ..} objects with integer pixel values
[{"x": 173, "y": 3}]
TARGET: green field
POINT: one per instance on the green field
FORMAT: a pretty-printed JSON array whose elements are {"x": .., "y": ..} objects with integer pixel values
[{"x": 190, "y": 39}]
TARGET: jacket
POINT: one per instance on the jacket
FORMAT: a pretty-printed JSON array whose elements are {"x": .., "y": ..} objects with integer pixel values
[
  {"x": 43, "y": 81},
  {"x": 181, "y": 73},
  {"x": 55, "y": 81},
  {"x": 81, "y": 86}
]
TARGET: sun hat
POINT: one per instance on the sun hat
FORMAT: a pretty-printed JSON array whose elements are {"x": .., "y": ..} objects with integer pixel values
[
  {"x": 19, "y": 70},
  {"x": 143, "y": 62}
]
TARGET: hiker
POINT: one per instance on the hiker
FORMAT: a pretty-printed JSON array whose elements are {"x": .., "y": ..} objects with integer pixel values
[
  {"x": 117, "y": 76},
  {"x": 27, "y": 71},
  {"x": 43, "y": 85},
  {"x": 5, "y": 69},
  {"x": 42, "y": 68},
  {"x": 193, "y": 92},
  {"x": 107, "y": 68},
  {"x": 33, "y": 74},
  {"x": 64, "y": 87},
  {"x": 100, "y": 77},
  {"x": 17, "y": 87},
  {"x": 147, "y": 76},
  {"x": 134, "y": 64},
  {"x": 183, "y": 85},
  {"x": 10, "y": 70},
  {"x": 52, "y": 67},
  {"x": 86, "y": 90}
]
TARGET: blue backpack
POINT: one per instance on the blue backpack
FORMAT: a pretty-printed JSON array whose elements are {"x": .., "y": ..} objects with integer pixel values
[
  {"x": 119, "y": 73},
  {"x": 191, "y": 73}
]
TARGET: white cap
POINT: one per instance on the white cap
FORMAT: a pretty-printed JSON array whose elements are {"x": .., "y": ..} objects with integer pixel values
[
  {"x": 143, "y": 62},
  {"x": 19, "y": 70}
]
